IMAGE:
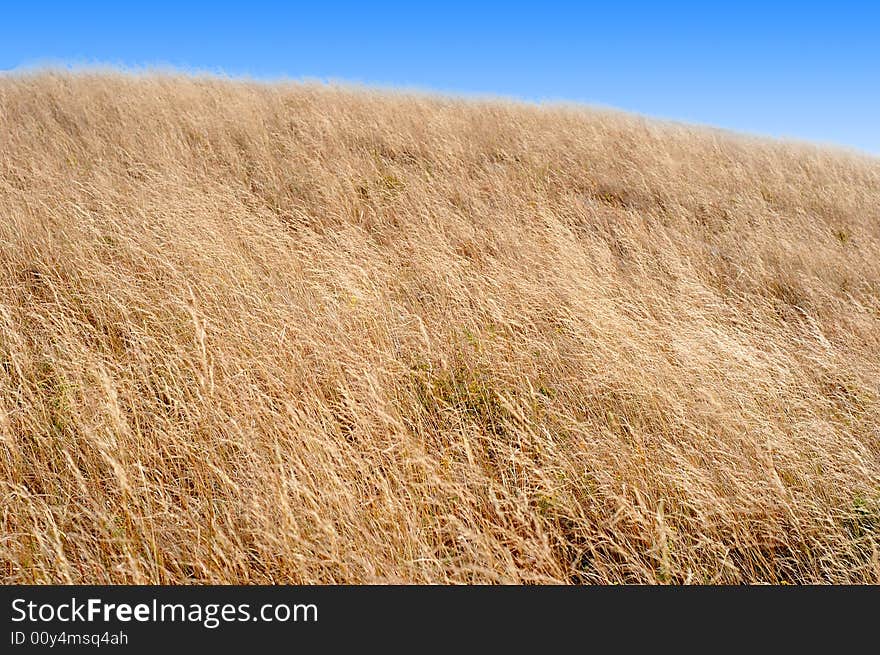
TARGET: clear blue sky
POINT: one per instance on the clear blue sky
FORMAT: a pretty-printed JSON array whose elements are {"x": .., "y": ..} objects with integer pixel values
[{"x": 784, "y": 69}]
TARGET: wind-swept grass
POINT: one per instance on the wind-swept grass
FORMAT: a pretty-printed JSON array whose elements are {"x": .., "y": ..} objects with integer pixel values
[{"x": 283, "y": 333}]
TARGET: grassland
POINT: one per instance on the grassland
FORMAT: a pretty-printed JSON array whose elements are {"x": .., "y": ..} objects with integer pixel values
[{"x": 261, "y": 333}]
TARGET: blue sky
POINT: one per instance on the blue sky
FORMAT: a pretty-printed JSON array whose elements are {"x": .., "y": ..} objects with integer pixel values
[{"x": 796, "y": 70}]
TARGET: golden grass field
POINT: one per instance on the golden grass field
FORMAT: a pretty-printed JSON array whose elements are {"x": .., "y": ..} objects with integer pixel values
[{"x": 255, "y": 333}]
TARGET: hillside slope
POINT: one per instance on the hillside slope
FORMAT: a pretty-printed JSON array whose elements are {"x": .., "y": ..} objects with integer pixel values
[{"x": 258, "y": 334}]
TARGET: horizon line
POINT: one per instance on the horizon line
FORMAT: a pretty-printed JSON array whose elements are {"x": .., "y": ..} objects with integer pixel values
[{"x": 49, "y": 65}]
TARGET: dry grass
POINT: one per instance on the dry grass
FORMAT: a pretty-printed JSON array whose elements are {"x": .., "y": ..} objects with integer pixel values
[{"x": 265, "y": 334}]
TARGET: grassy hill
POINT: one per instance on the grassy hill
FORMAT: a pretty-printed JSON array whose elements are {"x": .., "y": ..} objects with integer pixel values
[{"x": 288, "y": 333}]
